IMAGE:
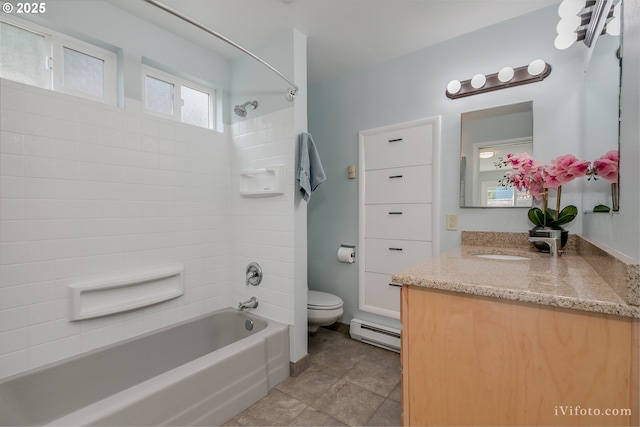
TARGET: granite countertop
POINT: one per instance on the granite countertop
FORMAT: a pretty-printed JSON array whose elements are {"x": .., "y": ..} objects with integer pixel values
[{"x": 568, "y": 281}]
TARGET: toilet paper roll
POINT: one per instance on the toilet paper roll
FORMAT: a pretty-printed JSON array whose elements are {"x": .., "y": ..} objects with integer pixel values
[{"x": 346, "y": 255}]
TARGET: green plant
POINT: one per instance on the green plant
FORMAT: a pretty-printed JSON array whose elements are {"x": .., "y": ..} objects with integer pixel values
[{"x": 551, "y": 218}]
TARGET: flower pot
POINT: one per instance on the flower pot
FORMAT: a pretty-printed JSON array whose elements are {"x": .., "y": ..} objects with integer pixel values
[{"x": 539, "y": 232}]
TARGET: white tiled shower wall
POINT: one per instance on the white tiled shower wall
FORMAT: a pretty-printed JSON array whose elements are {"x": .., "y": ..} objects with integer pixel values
[
  {"x": 87, "y": 188},
  {"x": 262, "y": 228}
]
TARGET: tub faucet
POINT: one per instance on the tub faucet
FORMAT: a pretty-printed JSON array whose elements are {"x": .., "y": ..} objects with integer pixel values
[
  {"x": 250, "y": 303},
  {"x": 552, "y": 239}
]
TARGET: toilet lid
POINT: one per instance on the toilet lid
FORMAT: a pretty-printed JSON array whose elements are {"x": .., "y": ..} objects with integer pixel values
[{"x": 323, "y": 300}]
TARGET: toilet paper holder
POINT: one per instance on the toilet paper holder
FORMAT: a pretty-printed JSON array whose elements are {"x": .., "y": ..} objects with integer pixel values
[{"x": 353, "y": 253}]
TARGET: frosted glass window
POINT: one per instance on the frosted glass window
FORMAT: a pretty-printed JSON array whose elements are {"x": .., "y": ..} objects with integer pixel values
[
  {"x": 23, "y": 56},
  {"x": 195, "y": 107},
  {"x": 158, "y": 95},
  {"x": 83, "y": 73}
]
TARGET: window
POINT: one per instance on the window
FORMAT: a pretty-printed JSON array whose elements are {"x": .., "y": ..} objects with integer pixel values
[
  {"x": 173, "y": 97},
  {"x": 36, "y": 56}
]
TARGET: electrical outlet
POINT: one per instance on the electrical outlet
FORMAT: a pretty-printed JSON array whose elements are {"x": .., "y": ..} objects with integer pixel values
[{"x": 452, "y": 222}]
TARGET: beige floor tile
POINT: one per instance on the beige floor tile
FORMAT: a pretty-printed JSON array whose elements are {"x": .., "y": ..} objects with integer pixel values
[
  {"x": 312, "y": 417},
  {"x": 277, "y": 409},
  {"x": 373, "y": 377},
  {"x": 388, "y": 414},
  {"x": 349, "y": 403},
  {"x": 308, "y": 386}
]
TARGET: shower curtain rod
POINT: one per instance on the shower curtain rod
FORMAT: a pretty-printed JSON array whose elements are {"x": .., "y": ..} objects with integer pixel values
[{"x": 291, "y": 92}]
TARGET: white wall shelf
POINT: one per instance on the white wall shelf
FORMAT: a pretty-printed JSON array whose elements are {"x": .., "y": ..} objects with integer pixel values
[{"x": 123, "y": 291}]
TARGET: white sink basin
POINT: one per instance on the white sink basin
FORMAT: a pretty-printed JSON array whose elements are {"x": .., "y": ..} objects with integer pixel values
[{"x": 503, "y": 257}]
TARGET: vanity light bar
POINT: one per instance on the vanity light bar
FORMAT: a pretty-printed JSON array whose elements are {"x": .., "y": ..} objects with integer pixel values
[{"x": 537, "y": 71}]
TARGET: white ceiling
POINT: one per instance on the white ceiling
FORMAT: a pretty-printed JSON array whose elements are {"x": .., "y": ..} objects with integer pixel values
[{"x": 342, "y": 35}]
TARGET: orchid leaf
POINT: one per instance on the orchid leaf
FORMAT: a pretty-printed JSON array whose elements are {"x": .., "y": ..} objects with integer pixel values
[
  {"x": 601, "y": 208},
  {"x": 537, "y": 217},
  {"x": 566, "y": 215}
]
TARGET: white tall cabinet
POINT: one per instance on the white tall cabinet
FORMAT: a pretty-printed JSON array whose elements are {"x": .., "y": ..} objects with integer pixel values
[{"x": 398, "y": 224}]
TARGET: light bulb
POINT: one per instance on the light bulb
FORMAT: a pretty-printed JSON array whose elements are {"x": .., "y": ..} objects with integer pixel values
[
  {"x": 536, "y": 67},
  {"x": 505, "y": 74},
  {"x": 570, "y": 7},
  {"x": 454, "y": 86},
  {"x": 564, "y": 41},
  {"x": 478, "y": 81},
  {"x": 568, "y": 24}
]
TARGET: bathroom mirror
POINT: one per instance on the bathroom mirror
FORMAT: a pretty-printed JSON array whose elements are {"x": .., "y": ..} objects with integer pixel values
[{"x": 486, "y": 136}]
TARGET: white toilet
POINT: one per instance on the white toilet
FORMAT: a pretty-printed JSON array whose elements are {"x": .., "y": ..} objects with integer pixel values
[{"x": 323, "y": 309}]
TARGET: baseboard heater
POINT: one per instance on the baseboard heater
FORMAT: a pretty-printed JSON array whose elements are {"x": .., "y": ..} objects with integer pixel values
[{"x": 375, "y": 334}]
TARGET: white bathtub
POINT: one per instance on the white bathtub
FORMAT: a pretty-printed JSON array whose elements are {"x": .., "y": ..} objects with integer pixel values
[{"x": 200, "y": 372}]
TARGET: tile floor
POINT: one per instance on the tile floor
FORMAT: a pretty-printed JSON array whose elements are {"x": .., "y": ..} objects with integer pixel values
[{"x": 347, "y": 383}]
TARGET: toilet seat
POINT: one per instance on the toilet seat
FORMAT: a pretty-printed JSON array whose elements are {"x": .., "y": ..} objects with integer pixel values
[{"x": 317, "y": 300}]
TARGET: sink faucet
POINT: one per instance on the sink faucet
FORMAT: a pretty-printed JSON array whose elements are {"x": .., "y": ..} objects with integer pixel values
[
  {"x": 552, "y": 239},
  {"x": 250, "y": 303}
]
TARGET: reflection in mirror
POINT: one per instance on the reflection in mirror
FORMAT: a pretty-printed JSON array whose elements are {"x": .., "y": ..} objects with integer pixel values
[{"x": 486, "y": 137}]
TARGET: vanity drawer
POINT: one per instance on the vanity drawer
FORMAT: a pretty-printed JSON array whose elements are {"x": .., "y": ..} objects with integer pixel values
[
  {"x": 381, "y": 292},
  {"x": 393, "y": 256},
  {"x": 398, "y": 221},
  {"x": 399, "y": 185},
  {"x": 404, "y": 147}
]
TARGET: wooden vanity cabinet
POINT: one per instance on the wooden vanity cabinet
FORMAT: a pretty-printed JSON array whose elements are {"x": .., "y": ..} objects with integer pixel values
[{"x": 472, "y": 360}]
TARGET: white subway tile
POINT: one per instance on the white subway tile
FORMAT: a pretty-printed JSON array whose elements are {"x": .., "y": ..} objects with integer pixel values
[
  {"x": 64, "y": 108},
  {"x": 42, "y": 333},
  {"x": 12, "y": 297},
  {"x": 41, "y": 292},
  {"x": 39, "y": 188},
  {"x": 12, "y": 165},
  {"x": 40, "y": 271},
  {"x": 39, "y": 167},
  {"x": 13, "y": 340},
  {"x": 11, "y": 143},
  {"x": 69, "y": 346},
  {"x": 12, "y": 209},
  {"x": 42, "y": 354},
  {"x": 12, "y": 363},
  {"x": 35, "y": 124},
  {"x": 12, "y": 121},
  {"x": 12, "y": 231},
  {"x": 12, "y": 98},
  {"x": 12, "y": 187},
  {"x": 13, "y": 318},
  {"x": 64, "y": 149},
  {"x": 42, "y": 312},
  {"x": 64, "y": 328},
  {"x": 64, "y": 130},
  {"x": 12, "y": 253}
]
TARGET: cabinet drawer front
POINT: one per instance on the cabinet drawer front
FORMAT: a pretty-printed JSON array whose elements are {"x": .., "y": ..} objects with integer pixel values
[
  {"x": 398, "y": 221},
  {"x": 382, "y": 292},
  {"x": 404, "y": 147},
  {"x": 393, "y": 256},
  {"x": 399, "y": 185}
]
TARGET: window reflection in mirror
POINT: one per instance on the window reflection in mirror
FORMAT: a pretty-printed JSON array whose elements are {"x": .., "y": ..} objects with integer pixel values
[{"x": 486, "y": 137}]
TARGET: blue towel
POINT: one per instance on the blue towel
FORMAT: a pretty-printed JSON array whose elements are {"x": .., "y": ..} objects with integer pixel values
[{"x": 310, "y": 172}]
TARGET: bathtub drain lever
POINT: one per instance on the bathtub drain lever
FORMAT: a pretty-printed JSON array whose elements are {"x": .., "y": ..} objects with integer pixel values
[{"x": 250, "y": 303}]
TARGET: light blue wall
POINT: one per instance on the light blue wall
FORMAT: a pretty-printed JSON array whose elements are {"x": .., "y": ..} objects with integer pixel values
[{"x": 412, "y": 87}]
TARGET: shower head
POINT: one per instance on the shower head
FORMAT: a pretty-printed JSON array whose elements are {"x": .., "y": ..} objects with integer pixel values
[{"x": 241, "y": 110}]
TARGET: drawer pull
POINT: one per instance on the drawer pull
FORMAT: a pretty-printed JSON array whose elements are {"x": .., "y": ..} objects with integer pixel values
[
  {"x": 395, "y": 176},
  {"x": 395, "y": 249},
  {"x": 396, "y": 140},
  {"x": 395, "y": 213},
  {"x": 397, "y": 285}
]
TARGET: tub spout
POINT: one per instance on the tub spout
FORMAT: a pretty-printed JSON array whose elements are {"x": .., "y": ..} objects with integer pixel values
[{"x": 250, "y": 303}]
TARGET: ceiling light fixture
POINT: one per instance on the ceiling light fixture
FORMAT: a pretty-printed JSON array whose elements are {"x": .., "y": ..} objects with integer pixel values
[{"x": 536, "y": 71}]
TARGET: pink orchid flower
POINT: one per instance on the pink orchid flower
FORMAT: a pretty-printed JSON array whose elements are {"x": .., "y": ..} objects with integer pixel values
[{"x": 607, "y": 166}]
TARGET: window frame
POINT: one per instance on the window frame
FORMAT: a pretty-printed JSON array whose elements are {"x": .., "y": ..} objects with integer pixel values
[
  {"x": 54, "y": 49},
  {"x": 177, "y": 102}
]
